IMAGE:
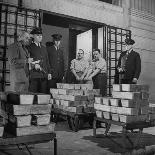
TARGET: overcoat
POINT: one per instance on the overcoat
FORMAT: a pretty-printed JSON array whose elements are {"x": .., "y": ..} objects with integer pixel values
[{"x": 19, "y": 74}]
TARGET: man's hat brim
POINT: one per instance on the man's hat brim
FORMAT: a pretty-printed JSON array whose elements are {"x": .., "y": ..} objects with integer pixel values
[
  {"x": 129, "y": 41},
  {"x": 36, "y": 31},
  {"x": 57, "y": 37}
]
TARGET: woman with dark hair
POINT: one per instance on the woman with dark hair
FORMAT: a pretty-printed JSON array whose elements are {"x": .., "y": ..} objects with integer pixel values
[{"x": 98, "y": 72}]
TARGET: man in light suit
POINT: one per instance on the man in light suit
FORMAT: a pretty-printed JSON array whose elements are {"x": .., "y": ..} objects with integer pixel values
[
  {"x": 18, "y": 57},
  {"x": 129, "y": 64}
]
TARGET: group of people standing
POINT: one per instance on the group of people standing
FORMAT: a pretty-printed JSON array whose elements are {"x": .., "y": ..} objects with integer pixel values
[
  {"x": 36, "y": 68},
  {"x": 90, "y": 72},
  {"x": 127, "y": 71}
]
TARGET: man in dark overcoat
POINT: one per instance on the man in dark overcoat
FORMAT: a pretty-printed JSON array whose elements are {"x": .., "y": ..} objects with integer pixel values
[
  {"x": 56, "y": 60},
  {"x": 40, "y": 71},
  {"x": 129, "y": 64}
]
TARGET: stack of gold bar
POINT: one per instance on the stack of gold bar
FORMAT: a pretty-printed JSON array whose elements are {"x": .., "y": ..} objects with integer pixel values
[
  {"x": 75, "y": 98},
  {"x": 28, "y": 113},
  {"x": 129, "y": 103}
]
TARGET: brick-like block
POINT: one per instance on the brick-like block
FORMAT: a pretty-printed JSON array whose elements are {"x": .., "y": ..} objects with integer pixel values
[
  {"x": 20, "y": 121},
  {"x": 95, "y": 92},
  {"x": 71, "y": 97},
  {"x": 98, "y": 100},
  {"x": 99, "y": 114},
  {"x": 87, "y": 86},
  {"x": 54, "y": 91},
  {"x": 70, "y": 92},
  {"x": 31, "y": 130},
  {"x": 132, "y": 103},
  {"x": 43, "y": 99},
  {"x": 19, "y": 98},
  {"x": 107, "y": 115},
  {"x": 41, "y": 119},
  {"x": 115, "y": 102},
  {"x": 75, "y": 109},
  {"x": 135, "y": 88},
  {"x": 127, "y": 95},
  {"x": 102, "y": 107},
  {"x": 127, "y": 111},
  {"x": 77, "y": 86},
  {"x": 117, "y": 87},
  {"x": 28, "y": 109},
  {"x": 113, "y": 109},
  {"x": 106, "y": 100},
  {"x": 88, "y": 109},
  {"x": 115, "y": 117},
  {"x": 73, "y": 103},
  {"x": 60, "y": 85},
  {"x": 68, "y": 86},
  {"x": 65, "y": 86},
  {"x": 131, "y": 119}
]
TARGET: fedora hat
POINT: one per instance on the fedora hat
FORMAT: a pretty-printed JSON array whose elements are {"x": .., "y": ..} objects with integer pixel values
[
  {"x": 129, "y": 41},
  {"x": 36, "y": 30},
  {"x": 57, "y": 37}
]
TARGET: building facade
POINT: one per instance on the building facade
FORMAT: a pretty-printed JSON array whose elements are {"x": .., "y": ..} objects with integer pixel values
[{"x": 138, "y": 16}]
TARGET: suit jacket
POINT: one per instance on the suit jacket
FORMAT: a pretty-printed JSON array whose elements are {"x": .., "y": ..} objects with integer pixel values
[
  {"x": 17, "y": 57},
  {"x": 39, "y": 53},
  {"x": 132, "y": 65},
  {"x": 56, "y": 60}
]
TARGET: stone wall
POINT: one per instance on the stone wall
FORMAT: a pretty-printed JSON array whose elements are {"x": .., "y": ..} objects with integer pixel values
[{"x": 143, "y": 32}]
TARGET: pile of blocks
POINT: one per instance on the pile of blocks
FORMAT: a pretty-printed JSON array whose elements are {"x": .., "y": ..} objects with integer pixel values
[
  {"x": 129, "y": 103},
  {"x": 76, "y": 98},
  {"x": 27, "y": 114}
]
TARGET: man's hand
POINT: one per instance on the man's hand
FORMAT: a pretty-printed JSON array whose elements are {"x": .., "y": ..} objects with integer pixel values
[
  {"x": 35, "y": 62},
  {"x": 120, "y": 70},
  {"x": 134, "y": 80},
  {"x": 37, "y": 67},
  {"x": 30, "y": 60},
  {"x": 49, "y": 77}
]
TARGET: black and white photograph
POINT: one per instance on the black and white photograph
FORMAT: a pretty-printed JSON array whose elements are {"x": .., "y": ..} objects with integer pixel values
[{"x": 77, "y": 77}]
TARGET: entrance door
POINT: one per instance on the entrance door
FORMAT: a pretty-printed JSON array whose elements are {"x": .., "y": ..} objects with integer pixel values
[{"x": 84, "y": 42}]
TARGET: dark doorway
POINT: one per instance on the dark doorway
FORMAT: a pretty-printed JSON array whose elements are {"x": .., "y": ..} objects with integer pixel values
[{"x": 72, "y": 26}]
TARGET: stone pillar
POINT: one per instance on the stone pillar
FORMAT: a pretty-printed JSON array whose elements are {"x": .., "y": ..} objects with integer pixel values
[{"x": 127, "y": 18}]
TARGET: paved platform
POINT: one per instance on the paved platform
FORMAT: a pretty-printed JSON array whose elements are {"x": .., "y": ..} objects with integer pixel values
[{"x": 83, "y": 143}]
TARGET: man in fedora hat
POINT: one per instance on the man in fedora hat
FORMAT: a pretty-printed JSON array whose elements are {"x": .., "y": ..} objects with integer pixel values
[
  {"x": 56, "y": 60},
  {"x": 18, "y": 58},
  {"x": 129, "y": 64},
  {"x": 40, "y": 72}
]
